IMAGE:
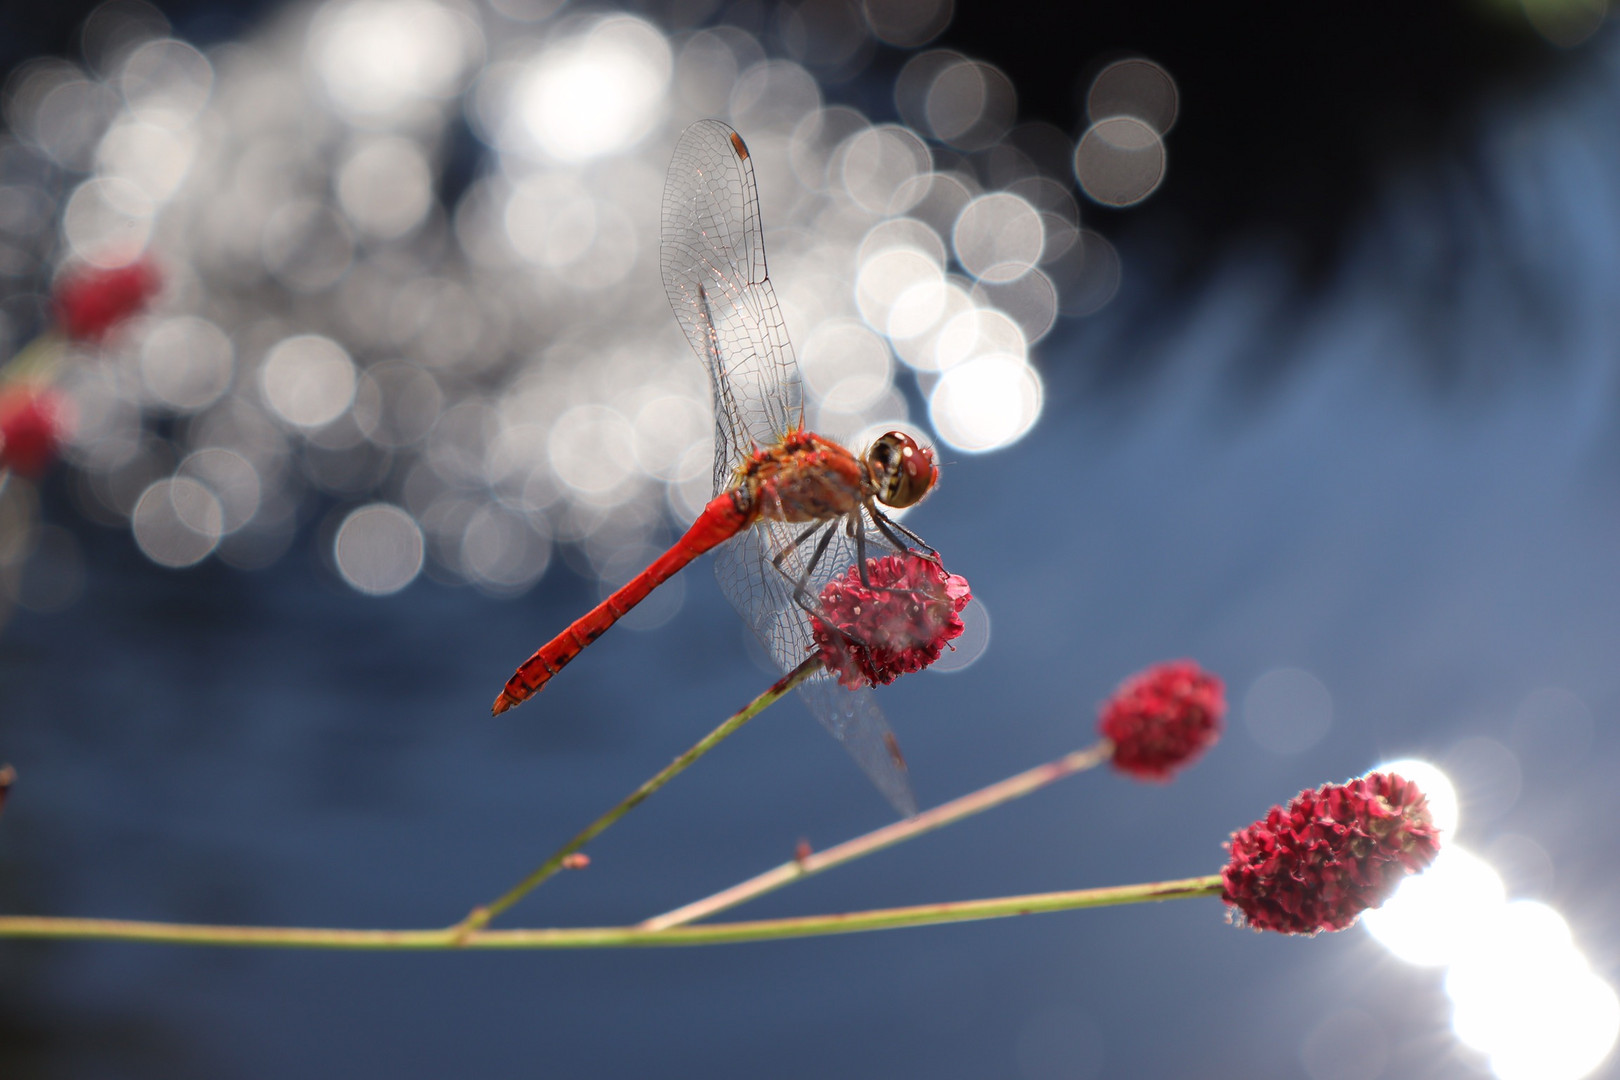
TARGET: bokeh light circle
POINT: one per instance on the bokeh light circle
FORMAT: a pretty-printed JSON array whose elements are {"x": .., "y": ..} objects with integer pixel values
[
  {"x": 998, "y": 237},
  {"x": 985, "y": 403},
  {"x": 378, "y": 549},
  {"x": 308, "y": 380},
  {"x": 1119, "y": 161},
  {"x": 177, "y": 522}
]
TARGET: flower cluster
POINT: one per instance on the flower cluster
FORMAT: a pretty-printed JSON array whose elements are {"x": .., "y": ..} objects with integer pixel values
[
  {"x": 91, "y": 303},
  {"x": 895, "y": 622},
  {"x": 1162, "y": 719},
  {"x": 33, "y": 423},
  {"x": 1329, "y": 855}
]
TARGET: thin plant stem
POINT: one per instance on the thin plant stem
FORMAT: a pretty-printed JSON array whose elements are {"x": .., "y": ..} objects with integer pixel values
[
  {"x": 480, "y": 916},
  {"x": 600, "y": 937},
  {"x": 995, "y": 794}
]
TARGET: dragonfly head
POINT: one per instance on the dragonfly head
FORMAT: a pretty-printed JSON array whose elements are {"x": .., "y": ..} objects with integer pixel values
[{"x": 902, "y": 470}]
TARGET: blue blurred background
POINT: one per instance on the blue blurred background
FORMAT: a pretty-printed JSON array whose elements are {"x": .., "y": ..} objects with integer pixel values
[{"x": 1333, "y": 416}]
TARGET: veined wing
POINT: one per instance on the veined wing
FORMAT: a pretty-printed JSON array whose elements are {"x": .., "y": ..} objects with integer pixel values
[
  {"x": 713, "y": 258},
  {"x": 764, "y": 597}
]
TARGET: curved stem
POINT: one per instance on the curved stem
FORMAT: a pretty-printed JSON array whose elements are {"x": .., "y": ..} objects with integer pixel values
[
  {"x": 480, "y": 916},
  {"x": 597, "y": 937},
  {"x": 967, "y": 805}
]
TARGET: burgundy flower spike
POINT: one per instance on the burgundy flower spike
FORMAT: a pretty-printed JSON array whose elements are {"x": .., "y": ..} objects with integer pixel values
[
  {"x": 90, "y": 303},
  {"x": 1162, "y": 719},
  {"x": 1329, "y": 855},
  {"x": 33, "y": 422},
  {"x": 869, "y": 634}
]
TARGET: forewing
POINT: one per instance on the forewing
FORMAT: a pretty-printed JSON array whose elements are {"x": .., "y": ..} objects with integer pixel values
[
  {"x": 766, "y": 598},
  {"x": 713, "y": 257}
]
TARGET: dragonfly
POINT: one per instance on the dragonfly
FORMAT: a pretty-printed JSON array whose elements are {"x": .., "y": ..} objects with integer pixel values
[{"x": 791, "y": 510}]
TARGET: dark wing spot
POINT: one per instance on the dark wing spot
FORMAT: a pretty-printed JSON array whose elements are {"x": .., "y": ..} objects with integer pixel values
[{"x": 737, "y": 145}]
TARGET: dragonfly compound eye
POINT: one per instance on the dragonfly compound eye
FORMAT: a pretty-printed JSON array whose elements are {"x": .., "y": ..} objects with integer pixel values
[{"x": 902, "y": 469}]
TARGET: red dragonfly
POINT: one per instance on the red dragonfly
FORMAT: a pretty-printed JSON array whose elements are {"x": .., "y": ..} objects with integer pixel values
[{"x": 791, "y": 509}]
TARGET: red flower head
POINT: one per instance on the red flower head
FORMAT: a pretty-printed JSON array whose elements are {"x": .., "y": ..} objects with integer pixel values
[
  {"x": 869, "y": 634},
  {"x": 33, "y": 422},
  {"x": 1163, "y": 718},
  {"x": 1330, "y": 854},
  {"x": 91, "y": 302}
]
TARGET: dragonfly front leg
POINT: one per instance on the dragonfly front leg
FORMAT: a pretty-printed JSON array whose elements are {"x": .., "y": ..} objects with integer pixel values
[{"x": 885, "y": 523}]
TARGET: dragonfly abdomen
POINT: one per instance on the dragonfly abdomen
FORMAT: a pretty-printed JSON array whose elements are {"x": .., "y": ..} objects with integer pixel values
[{"x": 725, "y": 516}]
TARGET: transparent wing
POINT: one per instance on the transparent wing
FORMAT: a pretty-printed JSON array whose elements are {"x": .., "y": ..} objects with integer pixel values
[
  {"x": 765, "y": 597},
  {"x": 713, "y": 257}
]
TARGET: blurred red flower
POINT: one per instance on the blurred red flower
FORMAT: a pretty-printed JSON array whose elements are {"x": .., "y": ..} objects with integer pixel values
[
  {"x": 1161, "y": 719},
  {"x": 90, "y": 302},
  {"x": 1330, "y": 854},
  {"x": 894, "y": 623},
  {"x": 33, "y": 423}
]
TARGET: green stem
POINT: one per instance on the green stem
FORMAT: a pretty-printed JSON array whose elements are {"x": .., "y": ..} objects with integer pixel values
[
  {"x": 587, "y": 937},
  {"x": 972, "y": 803},
  {"x": 480, "y": 916}
]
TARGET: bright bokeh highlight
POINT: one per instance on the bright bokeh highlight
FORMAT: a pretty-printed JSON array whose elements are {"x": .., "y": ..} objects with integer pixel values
[{"x": 1522, "y": 992}]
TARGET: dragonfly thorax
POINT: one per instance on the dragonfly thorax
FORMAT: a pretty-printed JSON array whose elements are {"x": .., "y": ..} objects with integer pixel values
[{"x": 901, "y": 469}]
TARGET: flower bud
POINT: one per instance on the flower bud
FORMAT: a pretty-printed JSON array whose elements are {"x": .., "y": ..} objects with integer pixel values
[
  {"x": 91, "y": 302},
  {"x": 1161, "y": 719},
  {"x": 1329, "y": 855},
  {"x": 893, "y": 623},
  {"x": 33, "y": 423}
]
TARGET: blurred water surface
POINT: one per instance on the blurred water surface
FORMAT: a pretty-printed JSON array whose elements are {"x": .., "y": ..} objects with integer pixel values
[{"x": 1418, "y": 512}]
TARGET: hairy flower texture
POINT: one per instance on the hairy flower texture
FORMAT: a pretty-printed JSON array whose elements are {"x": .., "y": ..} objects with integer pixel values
[
  {"x": 91, "y": 302},
  {"x": 1329, "y": 855},
  {"x": 1162, "y": 719},
  {"x": 894, "y": 623},
  {"x": 33, "y": 422}
]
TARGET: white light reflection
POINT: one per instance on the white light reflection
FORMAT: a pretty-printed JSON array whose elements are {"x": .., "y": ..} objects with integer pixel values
[
  {"x": 985, "y": 403},
  {"x": 177, "y": 522},
  {"x": 308, "y": 380},
  {"x": 1525, "y": 996},
  {"x": 384, "y": 187},
  {"x": 502, "y": 553},
  {"x": 592, "y": 449},
  {"x": 187, "y": 363},
  {"x": 998, "y": 237},
  {"x": 1434, "y": 916},
  {"x": 1120, "y": 161},
  {"x": 1437, "y": 788},
  {"x": 880, "y": 167},
  {"x": 166, "y": 82},
  {"x": 598, "y": 93},
  {"x": 108, "y": 222},
  {"x": 1522, "y": 992},
  {"x": 378, "y": 58},
  {"x": 378, "y": 549},
  {"x": 329, "y": 322}
]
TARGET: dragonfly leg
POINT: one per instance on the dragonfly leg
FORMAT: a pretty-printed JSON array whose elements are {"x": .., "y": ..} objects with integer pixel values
[
  {"x": 860, "y": 549},
  {"x": 885, "y": 523},
  {"x": 801, "y": 587}
]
